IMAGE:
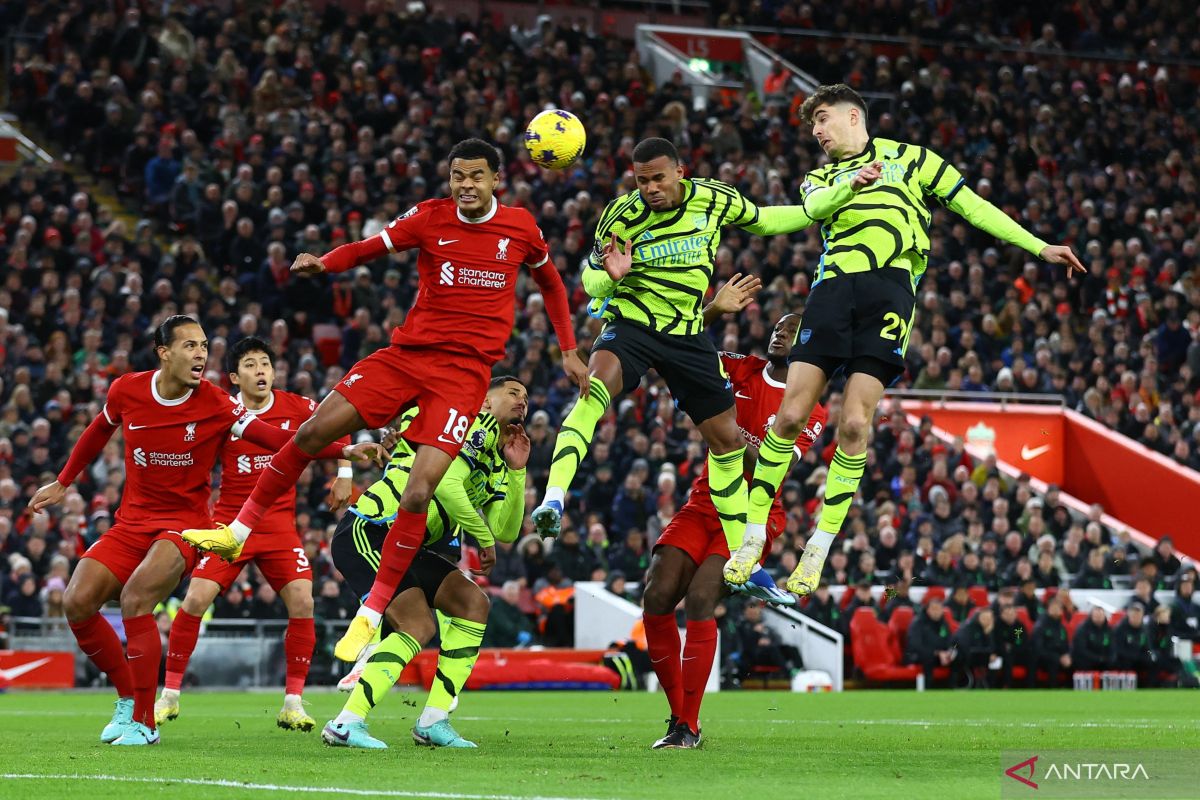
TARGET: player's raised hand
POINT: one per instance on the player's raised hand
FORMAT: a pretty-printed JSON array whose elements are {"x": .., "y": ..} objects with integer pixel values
[
  {"x": 1062, "y": 254},
  {"x": 49, "y": 495},
  {"x": 867, "y": 175},
  {"x": 370, "y": 452},
  {"x": 339, "y": 494},
  {"x": 516, "y": 447},
  {"x": 738, "y": 293},
  {"x": 577, "y": 371},
  {"x": 308, "y": 264},
  {"x": 487, "y": 560},
  {"x": 618, "y": 258}
]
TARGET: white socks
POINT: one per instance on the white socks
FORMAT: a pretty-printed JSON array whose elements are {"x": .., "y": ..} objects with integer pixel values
[
  {"x": 347, "y": 718},
  {"x": 373, "y": 617},
  {"x": 431, "y": 716},
  {"x": 554, "y": 493},
  {"x": 822, "y": 539}
]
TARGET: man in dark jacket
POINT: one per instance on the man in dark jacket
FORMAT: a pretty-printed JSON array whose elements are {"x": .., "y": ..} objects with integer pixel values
[
  {"x": 1016, "y": 646},
  {"x": 960, "y": 605},
  {"x": 823, "y": 608},
  {"x": 1185, "y": 611},
  {"x": 1092, "y": 576},
  {"x": 507, "y": 625},
  {"x": 1132, "y": 646},
  {"x": 977, "y": 649},
  {"x": 1051, "y": 648},
  {"x": 929, "y": 642},
  {"x": 862, "y": 599},
  {"x": 1092, "y": 645},
  {"x": 576, "y": 563}
]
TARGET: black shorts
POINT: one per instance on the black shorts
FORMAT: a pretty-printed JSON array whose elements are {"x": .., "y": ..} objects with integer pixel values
[
  {"x": 859, "y": 322},
  {"x": 689, "y": 364},
  {"x": 355, "y": 548}
]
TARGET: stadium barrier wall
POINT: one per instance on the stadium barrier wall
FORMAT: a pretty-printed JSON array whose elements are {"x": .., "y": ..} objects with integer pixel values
[
  {"x": 602, "y": 618},
  {"x": 821, "y": 648},
  {"x": 1089, "y": 463},
  {"x": 1109, "y": 599}
]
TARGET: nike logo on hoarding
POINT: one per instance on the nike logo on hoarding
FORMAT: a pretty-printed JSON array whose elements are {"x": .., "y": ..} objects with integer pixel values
[
  {"x": 1030, "y": 453},
  {"x": 444, "y": 242},
  {"x": 12, "y": 673}
]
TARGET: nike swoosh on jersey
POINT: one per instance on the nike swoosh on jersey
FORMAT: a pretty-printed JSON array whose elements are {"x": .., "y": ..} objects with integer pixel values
[
  {"x": 742, "y": 396},
  {"x": 444, "y": 242},
  {"x": 1030, "y": 453},
  {"x": 133, "y": 427}
]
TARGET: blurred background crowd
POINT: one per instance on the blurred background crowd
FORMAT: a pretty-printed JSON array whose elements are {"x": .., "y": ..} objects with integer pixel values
[{"x": 240, "y": 140}]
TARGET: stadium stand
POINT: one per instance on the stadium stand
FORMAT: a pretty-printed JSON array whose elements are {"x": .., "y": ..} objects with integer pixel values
[{"x": 235, "y": 152}]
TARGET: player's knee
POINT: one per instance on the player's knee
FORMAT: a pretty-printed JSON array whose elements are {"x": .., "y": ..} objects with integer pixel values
[
  {"x": 701, "y": 602},
  {"x": 299, "y": 605},
  {"x": 195, "y": 604},
  {"x": 789, "y": 420},
  {"x": 658, "y": 599},
  {"x": 853, "y": 431},
  {"x": 416, "y": 497},
  {"x": 80, "y": 604},
  {"x": 476, "y": 606},
  {"x": 136, "y": 600}
]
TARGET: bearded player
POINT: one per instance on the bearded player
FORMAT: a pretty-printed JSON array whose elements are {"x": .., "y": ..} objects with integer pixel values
[
  {"x": 691, "y": 552},
  {"x": 277, "y": 549},
  {"x": 470, "y": 251},
  {"x": 174, "y": 424}
]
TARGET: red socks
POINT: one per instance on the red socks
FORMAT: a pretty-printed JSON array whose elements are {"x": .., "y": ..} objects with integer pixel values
[
  {"x": 99, "y": 642},
  {"x": 662, "y": 640},
  {"x": 282, "y": 475},
  {"x": 698, "y": 654},
  {"x": 185, "y": 630},
  {"x": 298, "y": 646},
  {"x": 144, "y": 648},
  {"x": 399, "y": 548}
]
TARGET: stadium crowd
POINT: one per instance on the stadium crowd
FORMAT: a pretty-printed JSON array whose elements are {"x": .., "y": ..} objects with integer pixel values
[{"x": 245, "y": 140}]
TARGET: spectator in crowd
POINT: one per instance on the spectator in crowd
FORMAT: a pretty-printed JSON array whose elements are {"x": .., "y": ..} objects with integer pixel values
[
  {"x": 977, "y": 650},
  {"x": 761, "y": 649},
  {"x": 895, "y": 596},
  {"x": 1051, "y": 647},
  {"x": 822, "y": 608},
  {"x": 1093, "y": 575},
  {"x": 960, "y": 605},
  {"x": 929, "y": 642},
  {"x": 1162, "y": 648},
  {"x": 507, "y": 625},
  {"x": 1016, "y": 647},
  {"x": 1092, "y": 643},
  {"x": 234, "y": 603},
  {"x": 1133, "y": 646},
  {"x": 1185, "y": 611},
  {"x": 1143, "y": 594}
]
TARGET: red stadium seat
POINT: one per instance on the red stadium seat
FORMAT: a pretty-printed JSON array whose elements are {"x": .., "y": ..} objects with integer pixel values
[
  {"x": 873, "y": 652},
  {"x": 1023, "y": 618},
  {"x": 1048, "y": 593},
  {"x": 1116, "y": 617},
  {"x": 979, "y": 595},
  {"x": 1074, "y": 622},
  {"x": 898, "y": 624}
]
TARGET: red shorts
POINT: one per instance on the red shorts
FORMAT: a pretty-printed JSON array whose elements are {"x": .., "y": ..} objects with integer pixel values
[
  {"x": 279, "y": 554},
  {"x": 696, "y": 530},
  {"x": 448, "y": 388},
  {"x": 125, "y": 546}
]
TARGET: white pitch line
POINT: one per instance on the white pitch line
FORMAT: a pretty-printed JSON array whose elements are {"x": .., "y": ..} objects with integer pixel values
[{"x": 272, "y": 787}]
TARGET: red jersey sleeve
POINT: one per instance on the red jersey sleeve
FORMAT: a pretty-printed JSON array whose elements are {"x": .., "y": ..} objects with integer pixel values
[
  {"x": 113, "y": 402},
  {"x": 537, "y": 252},
  {"x": 406, "y": 231}
]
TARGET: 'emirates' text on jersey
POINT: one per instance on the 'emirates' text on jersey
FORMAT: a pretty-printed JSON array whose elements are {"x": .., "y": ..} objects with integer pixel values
[
  {"x": 673, "y": 253},
  {"x": 885, "y": 224},
  {"x": 468, "y": 273}
]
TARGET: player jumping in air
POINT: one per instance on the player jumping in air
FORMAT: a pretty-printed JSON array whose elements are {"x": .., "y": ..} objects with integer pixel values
[
  {"x": 277, "y": 549},
  {"x": 470, "y": 251},
  {"x": 860, "y": 312},
  {"x": 691, "y": 552},
  {"x": 488, "y": 476},
  {"x": 174, "y": 424},
  {"x": 650, "y": 270}
]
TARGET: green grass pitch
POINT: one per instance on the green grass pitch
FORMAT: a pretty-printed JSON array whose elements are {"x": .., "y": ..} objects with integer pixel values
[{"x": 583, "y": 745}]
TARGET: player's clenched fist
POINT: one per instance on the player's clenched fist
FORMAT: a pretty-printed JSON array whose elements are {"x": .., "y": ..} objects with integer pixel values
[
  {"x": 49, "y": 495},
  {"x": 308, "y": 264}
]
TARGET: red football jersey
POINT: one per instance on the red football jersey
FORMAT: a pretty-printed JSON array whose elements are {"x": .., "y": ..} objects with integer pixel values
[
  {"x": 757, "y": 397},
  {"x": 242, "y": 463},
  {"x": 170, "y": 449},
  {"x": 468, "y": 273}
]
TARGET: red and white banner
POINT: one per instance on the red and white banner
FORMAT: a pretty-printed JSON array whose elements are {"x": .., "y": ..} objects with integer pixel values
[
  {"x": 1142, "y": 489},
  {"x": 36, "y": 669}
]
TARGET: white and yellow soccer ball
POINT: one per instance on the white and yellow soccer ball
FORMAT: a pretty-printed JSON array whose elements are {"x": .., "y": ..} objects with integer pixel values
[{"x": 555, "y": 138}]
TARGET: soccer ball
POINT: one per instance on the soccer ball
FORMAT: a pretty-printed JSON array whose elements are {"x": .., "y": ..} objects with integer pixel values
[{"x": 555, "y": 138}]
